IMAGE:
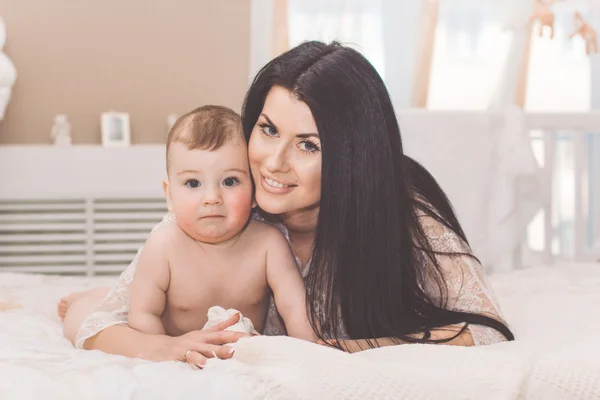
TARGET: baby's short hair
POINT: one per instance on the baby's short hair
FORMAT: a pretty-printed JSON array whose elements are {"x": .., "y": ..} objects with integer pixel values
[{"x": 208, "y": 128}]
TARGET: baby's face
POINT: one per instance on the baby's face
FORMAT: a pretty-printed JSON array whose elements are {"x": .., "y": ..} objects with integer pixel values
[{"x": 210, "y": 192}]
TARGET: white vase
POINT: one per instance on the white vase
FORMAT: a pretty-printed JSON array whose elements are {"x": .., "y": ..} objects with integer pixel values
[{"x": 8, "y": 73}]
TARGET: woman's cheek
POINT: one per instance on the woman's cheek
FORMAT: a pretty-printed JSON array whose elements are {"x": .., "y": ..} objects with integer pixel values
[
  {"x": 309, "y": 175},
  {"x": 257, "y": 151},
  {"x": 252, "y": 146}
]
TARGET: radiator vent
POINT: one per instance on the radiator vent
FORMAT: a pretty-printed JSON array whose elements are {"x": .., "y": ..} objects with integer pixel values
[{"x": 79, "y": 236}]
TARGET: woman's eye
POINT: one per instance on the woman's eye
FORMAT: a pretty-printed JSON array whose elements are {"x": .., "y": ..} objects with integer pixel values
[
  {"x": 231, "y": 181},
  {"x": 309, "y": 146},
  {"x": 268, "y": 130},
  {"x": 192, "y": 183}
]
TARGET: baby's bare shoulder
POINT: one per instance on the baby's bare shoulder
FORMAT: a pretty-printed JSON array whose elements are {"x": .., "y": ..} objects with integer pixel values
[
  {"x": 256, "y": 229},
  {"x": 165, "y": 237},
  {"x": 265, "y": 235}
]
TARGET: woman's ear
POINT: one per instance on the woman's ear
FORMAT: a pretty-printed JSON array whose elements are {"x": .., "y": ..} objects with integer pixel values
[
  {"x": 165, "y": 185},
  {"x": 254, "y": 205}
]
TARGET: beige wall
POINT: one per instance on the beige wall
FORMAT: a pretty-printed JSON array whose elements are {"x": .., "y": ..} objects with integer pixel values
[{"x": 148, "y": 58}]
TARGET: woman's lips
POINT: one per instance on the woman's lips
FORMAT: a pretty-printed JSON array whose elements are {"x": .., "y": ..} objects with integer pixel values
[{"x": 275, "y": 187}]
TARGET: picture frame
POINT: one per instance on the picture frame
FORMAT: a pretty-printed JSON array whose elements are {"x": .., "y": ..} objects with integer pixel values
[{"x": 116, "y": 129}]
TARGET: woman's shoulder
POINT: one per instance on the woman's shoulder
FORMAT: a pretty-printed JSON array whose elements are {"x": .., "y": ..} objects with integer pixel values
[{"x": 441, "y": 237}]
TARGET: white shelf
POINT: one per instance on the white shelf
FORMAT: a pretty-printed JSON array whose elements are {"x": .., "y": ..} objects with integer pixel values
[{"x": 80, "y": 172}]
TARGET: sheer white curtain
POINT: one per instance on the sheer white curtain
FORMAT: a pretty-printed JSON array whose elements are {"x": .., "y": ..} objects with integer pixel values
[
  {"x": 594, "y": 141},
  {"x": 357, "y": 23},
  {"x": 471, "y": 49},
  {"x": 479, "y": 45},
  {"x": 384, "y": 31},
  {"x": 261, "y": 34}
]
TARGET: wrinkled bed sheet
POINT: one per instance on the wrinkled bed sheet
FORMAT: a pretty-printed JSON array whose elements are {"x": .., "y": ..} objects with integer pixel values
[{"x": 552, "y": 310}]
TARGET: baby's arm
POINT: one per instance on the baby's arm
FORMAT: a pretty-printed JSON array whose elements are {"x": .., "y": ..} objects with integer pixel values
[
  {"x": 288, "y": 288},
  {"x": 149, "y": 286}
]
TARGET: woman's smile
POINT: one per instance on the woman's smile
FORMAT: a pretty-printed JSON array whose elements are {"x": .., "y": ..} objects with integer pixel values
[{"x": 275, "y": 186}]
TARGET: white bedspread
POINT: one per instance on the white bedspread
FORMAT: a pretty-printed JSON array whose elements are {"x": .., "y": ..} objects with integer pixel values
[{"x": 553, "y": 312}]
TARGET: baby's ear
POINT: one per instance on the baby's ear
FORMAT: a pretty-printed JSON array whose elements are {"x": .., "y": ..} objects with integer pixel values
[{"x": 165, "y": 185}]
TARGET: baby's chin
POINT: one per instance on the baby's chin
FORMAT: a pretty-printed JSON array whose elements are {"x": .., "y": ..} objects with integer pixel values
[{"x": 213, "y": 236}]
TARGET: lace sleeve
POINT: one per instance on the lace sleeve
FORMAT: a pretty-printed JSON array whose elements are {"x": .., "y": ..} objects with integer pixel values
[
  {"x": 274, "y": 325},
  {"x": 114, "y": 308},
  {"x": 468, "y": 289}
]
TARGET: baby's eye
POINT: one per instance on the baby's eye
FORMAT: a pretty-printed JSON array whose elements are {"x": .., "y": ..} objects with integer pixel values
[
  {"x": 230, "y": 181},
  {"x": 192, "y": 183}
]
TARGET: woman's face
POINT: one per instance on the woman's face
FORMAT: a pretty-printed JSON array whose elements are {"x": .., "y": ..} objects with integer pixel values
[{"x": 285, "y": 155}]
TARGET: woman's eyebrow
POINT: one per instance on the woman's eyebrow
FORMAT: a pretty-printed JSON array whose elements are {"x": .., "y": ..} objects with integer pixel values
[
  {"x": 268, "y": 120},
  {"x": 307, "y": 135},
  {"x": 299, "y": 135}
]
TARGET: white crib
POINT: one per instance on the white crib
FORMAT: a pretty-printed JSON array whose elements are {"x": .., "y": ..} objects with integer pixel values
[
  {"x": 517, "y": 167},
  {"x": 579, "y": 182},
  {"x": 87, "y": 209}
]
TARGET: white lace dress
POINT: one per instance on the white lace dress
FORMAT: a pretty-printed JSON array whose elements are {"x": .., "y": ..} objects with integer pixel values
[{"x": 468, "y": 290}]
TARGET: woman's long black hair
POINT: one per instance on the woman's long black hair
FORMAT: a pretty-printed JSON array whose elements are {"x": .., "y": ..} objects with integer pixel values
[{"x": 371, "y": 255}]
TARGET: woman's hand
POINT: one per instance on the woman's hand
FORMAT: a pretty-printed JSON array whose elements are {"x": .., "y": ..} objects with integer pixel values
[{"x": 197, "y": 346}]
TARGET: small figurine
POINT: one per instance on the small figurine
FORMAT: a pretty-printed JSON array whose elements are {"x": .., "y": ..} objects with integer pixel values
[
  {"x": 544, "y": 15},
  {"x": 586, "y": 32},
  {"x": 61, "y": 131}
]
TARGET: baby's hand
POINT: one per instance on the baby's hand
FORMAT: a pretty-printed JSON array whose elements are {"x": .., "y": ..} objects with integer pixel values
[
  {"x": 217, "y": 314},
  {"x": 198, "y": 346}
]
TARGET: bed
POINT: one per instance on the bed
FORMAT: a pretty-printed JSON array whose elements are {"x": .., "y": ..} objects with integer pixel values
[
  {"x": 89, "y": 221},
  {"x": 552, "y": 311}
]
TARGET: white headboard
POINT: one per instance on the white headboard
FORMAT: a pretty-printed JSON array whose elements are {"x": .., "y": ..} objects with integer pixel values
[{"x": 80, "y": 209}]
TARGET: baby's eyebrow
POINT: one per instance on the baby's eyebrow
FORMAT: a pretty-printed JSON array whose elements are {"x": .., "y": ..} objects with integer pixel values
[
  {"x": 187, "y": 171},
  {"x": 242, "y": 171}
]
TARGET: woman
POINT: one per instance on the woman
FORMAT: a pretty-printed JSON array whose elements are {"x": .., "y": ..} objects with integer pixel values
[{"x": 384, "y": 256}]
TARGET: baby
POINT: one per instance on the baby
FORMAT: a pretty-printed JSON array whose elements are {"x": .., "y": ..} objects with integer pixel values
[{"x": 210, "y": 252}]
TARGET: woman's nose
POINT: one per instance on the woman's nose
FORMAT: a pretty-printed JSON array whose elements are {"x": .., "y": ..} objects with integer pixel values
[{"x": 277, "y": 161}]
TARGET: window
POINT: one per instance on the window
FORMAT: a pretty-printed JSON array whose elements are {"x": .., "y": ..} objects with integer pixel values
[{"x": 355, "y": 23}]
